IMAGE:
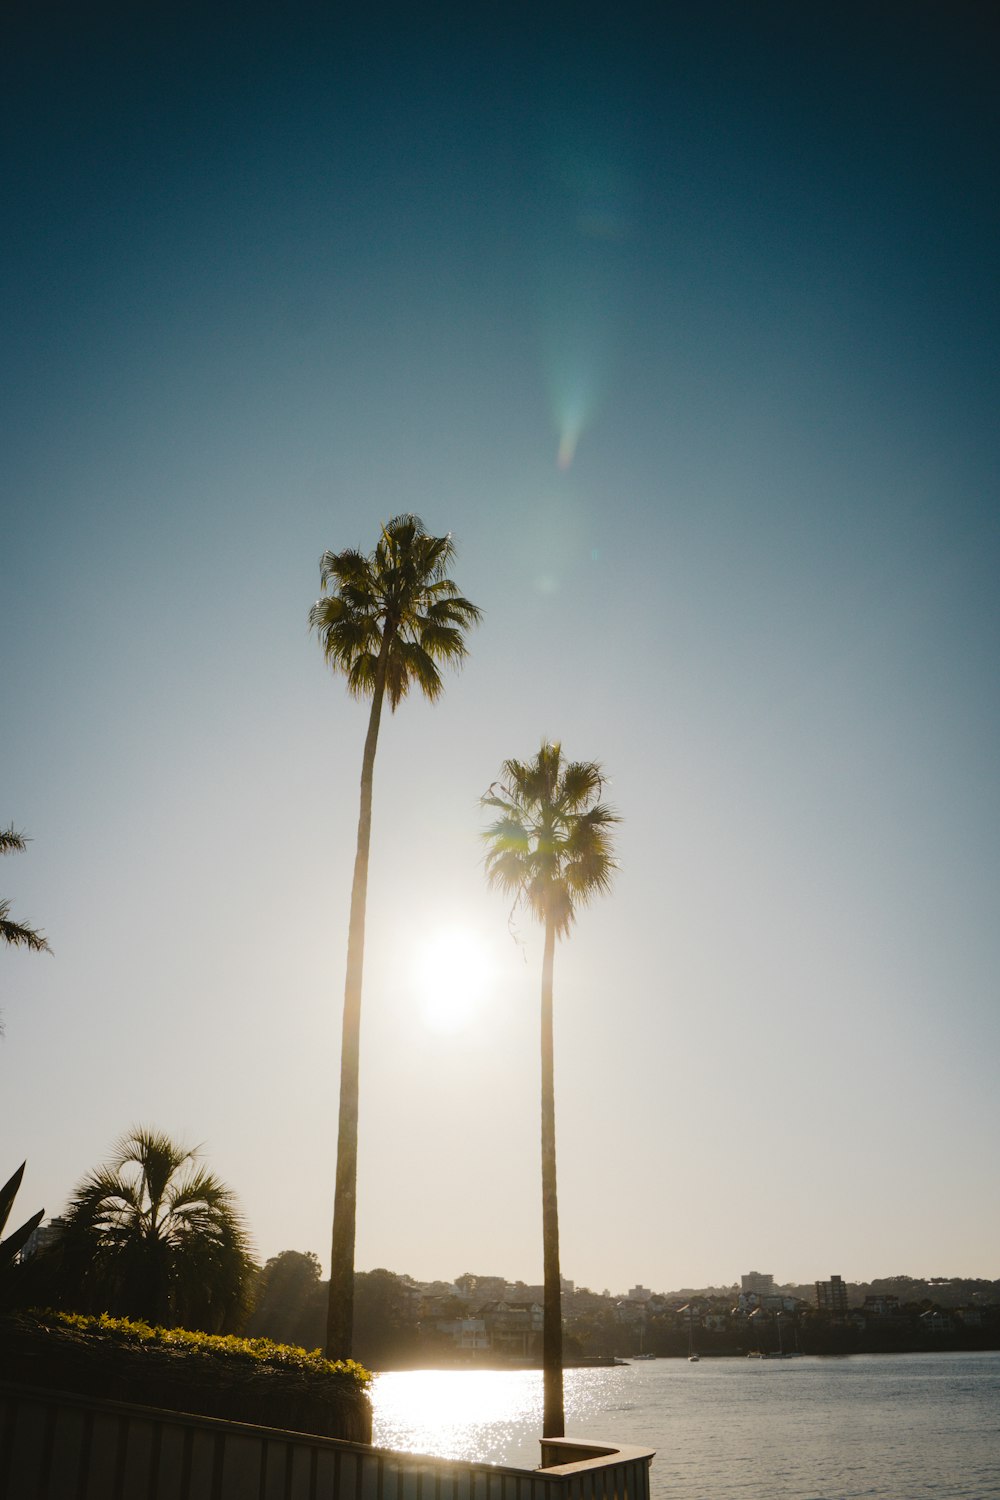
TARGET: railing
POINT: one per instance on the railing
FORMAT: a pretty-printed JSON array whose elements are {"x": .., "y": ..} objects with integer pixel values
[{"x": 55, "y": 1446}]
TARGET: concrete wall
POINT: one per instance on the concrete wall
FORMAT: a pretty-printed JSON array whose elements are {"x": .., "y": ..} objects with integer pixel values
[{"x": 55, "y": 1446}]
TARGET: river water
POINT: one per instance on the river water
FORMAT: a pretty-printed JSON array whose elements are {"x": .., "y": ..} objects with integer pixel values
[{"x": 882, "y": 1427}]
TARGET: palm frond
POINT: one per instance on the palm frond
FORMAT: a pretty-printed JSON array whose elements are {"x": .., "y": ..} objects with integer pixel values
[
  {"x": 347, "y": 569},
  {"x": 343, "y": 634},
  {"x": 19, "y": 935},
  {"x": 582, "y": 781},
  {"x": 409, "y": 663},
  {"x": 12, "y": 842},
  {"x": 454, "y": 610},
  {"x": 443, "y": 642},
  {"x": 361, "y": 675},
  {"x": 507, "y": 871}
]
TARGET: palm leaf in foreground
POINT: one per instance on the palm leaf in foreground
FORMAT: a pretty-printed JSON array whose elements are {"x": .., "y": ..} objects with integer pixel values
[{"x": 17, "y": 934}]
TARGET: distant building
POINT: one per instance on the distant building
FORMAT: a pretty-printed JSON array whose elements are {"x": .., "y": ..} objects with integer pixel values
[
  {"x": 468, "y": 1333},
  {"x": 639, "y": 1294},
  {"x": 881, "y": 1307},
  {"x": 759, "y": 1282},
  {"x": 43, "y": 1237},
  {"x": 513, "y": 1328},
  {"x": 780, "y": 1302},
  {"x": 831, "y": 1297}
]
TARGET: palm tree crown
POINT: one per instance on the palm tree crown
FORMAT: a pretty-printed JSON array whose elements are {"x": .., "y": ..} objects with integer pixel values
[
  {"x": 551, "y": 846},
  {"x": 155, "y": 1235},
  {"x": 395, "y": 606}
]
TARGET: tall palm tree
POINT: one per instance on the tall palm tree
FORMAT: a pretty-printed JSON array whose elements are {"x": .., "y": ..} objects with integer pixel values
[
  {"x": 386, "y": 620},
  {"x": 15, "y": 933},
  {"x": 551, "y": 849},
  {"x": 154, "y": 1235}
]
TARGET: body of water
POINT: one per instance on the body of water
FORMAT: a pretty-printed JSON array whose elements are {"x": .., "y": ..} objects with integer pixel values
[{"x": 883, "y": 1427}]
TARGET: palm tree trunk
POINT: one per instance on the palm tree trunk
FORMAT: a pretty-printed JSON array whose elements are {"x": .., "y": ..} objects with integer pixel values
[
  {"x": 553, "y": 1418},
  {"x": 340, "y": 1306}
]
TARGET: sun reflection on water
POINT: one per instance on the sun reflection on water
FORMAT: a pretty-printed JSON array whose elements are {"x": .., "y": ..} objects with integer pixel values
[
  {"x": 474, "y": 1414},
  {"x": 487, "y": 1416}
]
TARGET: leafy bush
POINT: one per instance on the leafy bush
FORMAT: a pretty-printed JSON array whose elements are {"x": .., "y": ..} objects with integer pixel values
[
  {"x": 238, "y": 1380},
  {"x": 221, "y": 1346}
]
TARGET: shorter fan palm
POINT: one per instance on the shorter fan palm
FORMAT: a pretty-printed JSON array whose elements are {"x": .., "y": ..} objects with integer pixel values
[
  {"x": 154, "y": 1235},
  {"x": 551, "y": 849}
]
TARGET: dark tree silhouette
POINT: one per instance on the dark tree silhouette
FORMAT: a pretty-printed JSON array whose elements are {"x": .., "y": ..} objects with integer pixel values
[
  {"x": 155, "y": 1236},
  {"x": 289, "y": 1300},
  {"x": 551, "y": 849},
  {"x": 386, "y": 621}
]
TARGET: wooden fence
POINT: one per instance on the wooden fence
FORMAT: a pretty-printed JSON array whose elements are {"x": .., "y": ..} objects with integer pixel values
[{"x": 55, "y": 1446}]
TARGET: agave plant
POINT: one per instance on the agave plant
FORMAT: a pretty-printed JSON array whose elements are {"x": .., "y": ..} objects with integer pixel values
[{"x": 16, "y": 1241}]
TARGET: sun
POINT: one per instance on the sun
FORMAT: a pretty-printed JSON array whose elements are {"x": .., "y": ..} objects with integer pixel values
[{"x": 452, "y": 971}]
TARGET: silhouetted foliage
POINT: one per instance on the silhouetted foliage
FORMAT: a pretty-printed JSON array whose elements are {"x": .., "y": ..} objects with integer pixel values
[
  {"x": 550, "y": 848},
  {"x": 233, "y": 1379},
  {"x": 14, "y": 1243},
  {"x": 290, "y": 1300},
  {"x": 155, "y": 1236},
  {"x": 385, "y": 1330},
  {"x": 290, "y": 1307},
  {"x": 16, "y": 934}
]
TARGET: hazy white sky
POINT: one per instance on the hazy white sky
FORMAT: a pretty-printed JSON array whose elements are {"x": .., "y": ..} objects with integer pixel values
[{"x": 266, "y": 286}]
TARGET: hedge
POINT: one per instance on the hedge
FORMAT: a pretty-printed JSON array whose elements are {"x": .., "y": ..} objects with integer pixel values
[{"x": 239, "y": 1380}]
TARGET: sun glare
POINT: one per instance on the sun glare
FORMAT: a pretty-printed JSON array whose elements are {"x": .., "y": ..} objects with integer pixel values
[{"x": 452, "y": 973}]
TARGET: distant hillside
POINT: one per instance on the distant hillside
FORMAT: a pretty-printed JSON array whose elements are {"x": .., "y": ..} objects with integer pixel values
[{"x": 945, "y": 1291}]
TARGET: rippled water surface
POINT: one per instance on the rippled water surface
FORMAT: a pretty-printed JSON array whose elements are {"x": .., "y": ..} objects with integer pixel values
[{"x": 884, "y": 1427}]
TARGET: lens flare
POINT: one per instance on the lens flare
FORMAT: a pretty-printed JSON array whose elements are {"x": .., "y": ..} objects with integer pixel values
[{"x": 574, "y": 400}]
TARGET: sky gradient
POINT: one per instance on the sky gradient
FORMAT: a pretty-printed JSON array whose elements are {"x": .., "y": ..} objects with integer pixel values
[{"x": 687, "y": 331}]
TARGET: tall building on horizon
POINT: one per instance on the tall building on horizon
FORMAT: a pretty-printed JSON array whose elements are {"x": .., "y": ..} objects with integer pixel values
[
  {"x": 760, "y": 1282},
  {"x": 831, "y": 1296}
]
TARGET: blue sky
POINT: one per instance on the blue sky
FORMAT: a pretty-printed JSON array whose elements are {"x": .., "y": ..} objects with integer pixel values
[{"x": 272, "y": 279}]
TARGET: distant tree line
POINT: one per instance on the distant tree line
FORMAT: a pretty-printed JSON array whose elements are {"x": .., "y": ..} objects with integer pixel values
[
  {"x": 154, "y": 1235},
  {"x": 93, "y": 1263}
]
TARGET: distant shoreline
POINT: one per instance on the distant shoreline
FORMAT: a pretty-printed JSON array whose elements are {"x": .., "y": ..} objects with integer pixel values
[{"x": 499, "y": 1366}]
